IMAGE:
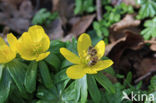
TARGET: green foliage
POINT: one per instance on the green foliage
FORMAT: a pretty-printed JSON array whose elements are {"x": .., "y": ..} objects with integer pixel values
[
  {"x": 5, "y": 85},
  {"x": 84, "y": 6},
  {"x": 45, "y": 75},
  {"x": 93, "y": 89},
  {"x": 148, "y": 9},
  {"x": 111, "y": 16},
  {"x": 149, "y": 31},
  {"x": 30, "y": 78},
  {"x": 46, "y": 81},
  {"x": 105, "y": 82},
  {"x": 44, "y": 17},
  {"x": 152, "y": 86}
]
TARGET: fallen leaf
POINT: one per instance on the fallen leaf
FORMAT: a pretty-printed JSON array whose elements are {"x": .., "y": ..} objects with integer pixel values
[
  {"x": 127, "y": 21},
  {"x": 65, "y": 8},
  {"x": 131, "y": 2},
  {"x": 82, "y": 25},
  {"x": 133, "y": 41},
  {"x": 54, "y": 29},
  {"x": 111, "y": 45},
  {"x": 117, "y": 30},
  {"x": 146, "y": 65},
  {"x": 153, "y": 43}
]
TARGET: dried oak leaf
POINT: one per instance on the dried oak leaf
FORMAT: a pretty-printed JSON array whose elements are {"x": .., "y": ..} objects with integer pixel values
[
  {"x": 79, "y": 26},
  {"x": 133, "y": 41},
  {"x": 65, "y": 8},
  {"x": 54, "y": 29},
  {"x": 131, "y": 2},
  {"x": 127, "y": 21},
  {"x": 82, "y": 25},
  {"x": 146, "y": 65},
  {"x": 153, "y": 43}
]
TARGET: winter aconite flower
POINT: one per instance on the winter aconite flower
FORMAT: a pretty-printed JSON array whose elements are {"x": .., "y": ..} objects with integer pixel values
[
  {"x": 33, "y": 45},
  {"x": 88, "y": 61},
  {"x": 8, "y": 53}
]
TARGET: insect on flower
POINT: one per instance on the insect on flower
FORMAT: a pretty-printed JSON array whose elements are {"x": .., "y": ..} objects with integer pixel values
[{"x": 89, "y": 59}]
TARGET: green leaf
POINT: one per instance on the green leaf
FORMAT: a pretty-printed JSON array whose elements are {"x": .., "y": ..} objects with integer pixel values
[
  {"x": 93, "y": 89},
  {"x": 45, "y": 74},
  {"x": 152, "y": 86},
  {"x": 72, "y": 46},
  {"x": 14, "y": 94},
  {"x": 44, "y": 17},
  {"x": 78, "y": 8},
  {"x": 148, "y": 9},
  {"x": 54, "y": 61},
  {"x": 128, "y": 79},
  {"x": 61, "y": 80},
  {"x": 83, "y": 88},
  {"x": 55, "y": 46},
  {"x": 46, "y": 94},
  {"x": 5, "y": 84},
  {"x": 105, "y": 82},
  {"x": 61, "y": 76},
  {"x": 17, "y": 72},
  {"x": 84, "y": 6},
  {"x": 1, "y": 71},
  {"x": 65, "y": 64},
  {"x": 149, "y": 31},
  {"x": 71, "y": 93},
  {"x": 30, "y": 78}
]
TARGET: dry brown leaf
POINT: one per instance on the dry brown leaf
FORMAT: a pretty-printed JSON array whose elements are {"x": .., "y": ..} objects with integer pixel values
[
  {"x": 153, "y": 47},
  {"x": 153, "y": 43},
  {"x": 133, "y": 41},
  {"x": 146, "y": 65},
  {"x": 65, "y": 8},
  {"x": 54, "y": 29},
  {"x": 68, "y": 37},
  {"x": 111, "y": 45},
  {"x": 117, "y": 30},
  {"x": 79, "y": 26},
  {"x": 127, "y": 21},
  {"x": 82, "y": 25},
  {"x": 131, "y": 2}
]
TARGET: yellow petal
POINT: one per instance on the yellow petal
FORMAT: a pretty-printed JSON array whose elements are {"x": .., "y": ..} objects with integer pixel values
[
  {"x": 42, "y": 56},
  {"x": 2, "y": 42},
  {"x": 75, "y": 72},
  {"x": 73, "y": 58},
  {"x": 36, "y": 32},
  {"x": 84, "y": 42},
  {"x": 6, "y": 54},
  {"x": 103, "y": 64},
  {"x": 90, "y": 70},
  {"x": 100, "y": 47},
  {"x": 45, "y": 43},
  {"x": 25, "y": 47},
  {"x": 12, "y": 40}
]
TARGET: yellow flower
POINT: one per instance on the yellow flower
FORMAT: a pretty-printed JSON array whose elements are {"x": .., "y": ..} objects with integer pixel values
[
  {"x": 8, "y": 53},
  {"x": 88, "y": 61},
  {"x": 33, "y": 45}
]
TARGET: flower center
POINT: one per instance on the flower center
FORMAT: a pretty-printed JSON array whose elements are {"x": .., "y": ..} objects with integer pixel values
[
  {"x": 37, "y": 48},
  {"x": 92, "y": 57}
]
